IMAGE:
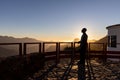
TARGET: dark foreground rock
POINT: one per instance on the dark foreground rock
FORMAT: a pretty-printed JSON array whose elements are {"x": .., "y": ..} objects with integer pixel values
[{"x": 19, "y": 67}]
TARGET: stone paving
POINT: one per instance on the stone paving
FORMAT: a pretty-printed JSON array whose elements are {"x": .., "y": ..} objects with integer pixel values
[
  {"x": 102, "y": 71},
  {"x": 109, "y": 70}
]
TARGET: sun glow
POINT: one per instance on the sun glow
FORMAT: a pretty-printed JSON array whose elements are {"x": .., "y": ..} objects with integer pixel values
[{"x": 92, "y": 33}]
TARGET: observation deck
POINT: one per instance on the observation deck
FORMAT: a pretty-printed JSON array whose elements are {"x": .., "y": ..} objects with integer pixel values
[{"x": 59, "y": 64}]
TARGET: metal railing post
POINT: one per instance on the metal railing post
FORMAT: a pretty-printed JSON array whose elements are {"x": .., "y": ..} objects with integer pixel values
[
  {"x": 57, "y": 52},
  {"x": 20, "y": 49},
  {"x": 39, "y": 47},
  {"x": 25, "y": 44},
  {"x": 89, "y": 47},
  {"x": 43, "y": 48},
  {"x": 72, "y": 46}
]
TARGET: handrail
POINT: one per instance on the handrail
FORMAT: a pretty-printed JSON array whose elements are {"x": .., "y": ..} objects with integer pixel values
[{"x": 41, "y": 47}]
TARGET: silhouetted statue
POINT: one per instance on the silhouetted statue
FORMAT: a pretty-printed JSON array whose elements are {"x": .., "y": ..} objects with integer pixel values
[
  {"x": 83, "y": 50},
  {"x": 83, "y": 45}
]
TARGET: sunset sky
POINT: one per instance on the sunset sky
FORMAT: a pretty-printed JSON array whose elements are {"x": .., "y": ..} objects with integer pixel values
[{"x": 57, "y": 20}]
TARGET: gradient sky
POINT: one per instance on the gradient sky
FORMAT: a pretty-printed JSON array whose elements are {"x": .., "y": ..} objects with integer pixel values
[{"x": 55, "y": 20}]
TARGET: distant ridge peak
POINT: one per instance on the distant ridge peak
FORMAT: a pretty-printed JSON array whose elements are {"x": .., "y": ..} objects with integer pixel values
[
  {"x": 102, "y": 40},
  {"x": 10, "y": 39}
]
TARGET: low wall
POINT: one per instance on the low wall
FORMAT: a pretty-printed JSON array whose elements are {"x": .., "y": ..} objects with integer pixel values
[{"x": 18, "y": 67}]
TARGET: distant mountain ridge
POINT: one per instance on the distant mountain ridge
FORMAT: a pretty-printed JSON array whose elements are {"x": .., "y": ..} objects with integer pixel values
[
  {"x": 10, "y": 50},
  {"x": 6, "y": 50},
  {"x": 9, "y": 39},
  {"x": 102, "y": 40}
]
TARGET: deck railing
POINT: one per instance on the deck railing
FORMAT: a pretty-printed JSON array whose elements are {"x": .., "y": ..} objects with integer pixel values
[
  {"x": 53, "y": 54},
  {"x": 19, "y": 44},
  {"x": 94, "y": 49},
  {"x": 97, "y": 49}
]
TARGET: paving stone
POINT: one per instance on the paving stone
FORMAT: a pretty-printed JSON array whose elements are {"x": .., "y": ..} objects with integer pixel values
[{"x": 102, "y": 71}]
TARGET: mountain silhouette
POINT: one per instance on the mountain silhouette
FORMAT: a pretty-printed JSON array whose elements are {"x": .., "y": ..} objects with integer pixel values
[
  {"x": 9, "y": 39},
  {"x": 102, "y": 40},
  {"x": 10, "y": 50}
]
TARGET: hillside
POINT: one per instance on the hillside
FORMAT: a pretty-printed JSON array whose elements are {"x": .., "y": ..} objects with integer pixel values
[
  {"x": 10, "y": 50},
  {"x": 9, "y": 39},
  {"x": 102, "y": 40},
  {"x": 13, "y": 50},
  {"x": 99, "y": 47},
  {"x": 7, "y": 52}
]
